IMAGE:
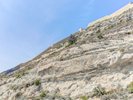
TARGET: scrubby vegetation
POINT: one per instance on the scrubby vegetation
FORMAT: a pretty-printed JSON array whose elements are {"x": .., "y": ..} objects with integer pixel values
[
  {"x": 99, "y": 91},
  {"x": 43, "y": 94},
  {"x": 72, "y": 39},
  {"x": 124, "y": 71},
  {"x": 37, "y": 82},
  {"x": 100, "y": 36},
  {"x": 84, "y": 98},
  {"x": 20, "y": 75}
]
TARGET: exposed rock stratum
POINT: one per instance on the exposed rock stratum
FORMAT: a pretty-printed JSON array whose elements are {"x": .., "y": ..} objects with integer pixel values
[{"x": 102, "y": 56}]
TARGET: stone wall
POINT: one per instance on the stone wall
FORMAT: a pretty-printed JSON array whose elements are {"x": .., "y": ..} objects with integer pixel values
[
  {"x": 118, "y": 12},
  {"x": 101, "y": 19}
]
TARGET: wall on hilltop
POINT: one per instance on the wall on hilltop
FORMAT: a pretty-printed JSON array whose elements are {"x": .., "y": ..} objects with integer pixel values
[
  {"x": 101, "y": 19},
  {"x": 118, "y": 12}
]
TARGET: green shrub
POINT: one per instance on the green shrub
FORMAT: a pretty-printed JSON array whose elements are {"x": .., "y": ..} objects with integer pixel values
[
  {"x": 37, "y": 82},
  {"x": 130, "y": 87},
  {"x": 43, "y": 94},
  {"x": 111, "y": 50},
  {"x": 68, "y": 45},
  {"x": 98, "y": 31},
  {"x": 99, "y": 90},
  {"x": 72, "y": 39},
  {"x": 100, "y": 36},
  {"x": 69, "y": 98},
  {"x": 20, "y": 75},
  {"x": 37, "y": 98},
  {"x": 57, "y": 90},
  {"x": 84, "y": 98},
  {"x": 91, "y": 34},
  {"x": 130, "y": 90}
]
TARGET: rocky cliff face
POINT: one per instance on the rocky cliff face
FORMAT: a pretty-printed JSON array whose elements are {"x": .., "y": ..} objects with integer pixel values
[{"x": 101, "y": 57}]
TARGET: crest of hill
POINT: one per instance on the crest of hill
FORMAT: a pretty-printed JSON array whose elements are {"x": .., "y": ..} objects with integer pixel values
[{"x": 118, "y": 12}]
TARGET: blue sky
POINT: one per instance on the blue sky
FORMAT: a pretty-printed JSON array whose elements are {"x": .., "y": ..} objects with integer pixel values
[{"x": 28, "y": 27}]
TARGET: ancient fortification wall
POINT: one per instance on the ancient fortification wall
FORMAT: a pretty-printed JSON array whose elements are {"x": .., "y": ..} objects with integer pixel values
[
  {"x": 101, "y": 19},
  {"x": 120, "y": 11}
]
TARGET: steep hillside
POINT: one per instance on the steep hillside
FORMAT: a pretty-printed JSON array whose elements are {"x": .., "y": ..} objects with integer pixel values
[{"x": 95, "y": 63}]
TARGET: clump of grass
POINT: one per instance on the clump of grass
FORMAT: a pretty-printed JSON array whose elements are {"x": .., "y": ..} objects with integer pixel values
[
  {"x": 57, "y": 90},
  {"x": 43, "y": 94},
  {"x": 111, "y": 50},
  {"x": 59, "y": 46},
  {"x": 100, "y": 36},
  {"x": 18, "y": 94},
  {"x": 3, "y": 83},
  {"x": 122, "y": 49},
  {"x": 68, "y": 45},
  {"x": 20, "y": 75},
  {"x": 37, "y": 82},
  {"x": 98, "y": 31},
  {"x": 84, "y": 98},
  {"x": 14, "y": 87},
  {"x": 124, "y": 71},
  {"x": 91, "y": 34},
  {"x": 99, "y": 91},
  {"x": 59, "y": 96},
  {"x": 130, "y": 85}
]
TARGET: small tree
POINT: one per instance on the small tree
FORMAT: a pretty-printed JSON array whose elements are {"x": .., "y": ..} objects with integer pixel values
[{"x": 72, "y": 39}]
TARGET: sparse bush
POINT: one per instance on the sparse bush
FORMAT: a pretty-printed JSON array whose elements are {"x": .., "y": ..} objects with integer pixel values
[
  {"x": 98, "y": 31},
  {"x": 59, "y": 46},
  {"x": 130, "y": 90},
  {"x": 124, "y": 71},
  {"x": 3, "y": 83},
  {"x": 14, "y": 87},
  {"x": 111, "y": 50},
  {"x": 100, "y": 36},
  {"x": 61, "y": 59},
  {"x": 84, "y": 98},
  {"x": 20, "y": 75},
  {"x": 69, "y": 98},
  {"x": 53, "y": 53},
  {"x": 27, "y": 85},
  {"x": 68, "y": 45},
  {"x": 109, "y": 96},
  {"x": 91, "y": 34},
  {"x": 122, "y": 49},
  {"x": 37, "y": 98},
  {"x": 37, "y": 82},
  {"x": 72, "y": 39},
  {"x": 130, "y": 87},
  {"x": 57, "y": 90},
  {"x": 43, "y": 94},
  {"x": 99, "y": 90},
  {"x": 59, "y": 96},
  {"x": 18, "y": 94}
]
